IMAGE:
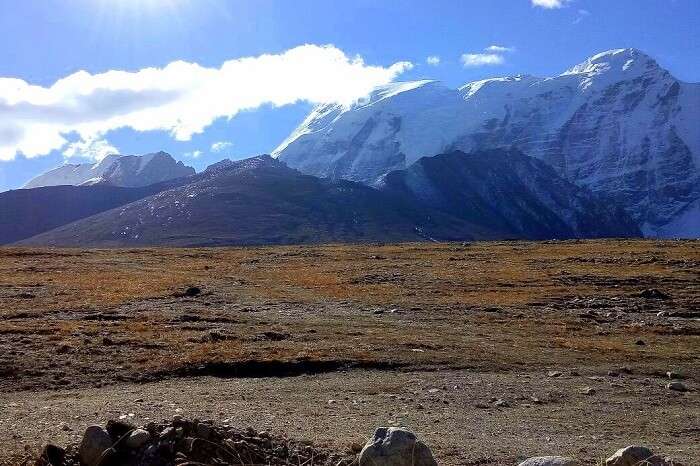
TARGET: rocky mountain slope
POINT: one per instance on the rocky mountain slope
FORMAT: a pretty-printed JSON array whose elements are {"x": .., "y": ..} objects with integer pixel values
[
  {"x": 617, "y": 123},
  {"x": 116, "y": 170},
  {"x": 262, "y": 201},
  {"x": 508, "y": 192},
  {"x": 28, "y": 212},
  {"x": 258, "y": 201}
]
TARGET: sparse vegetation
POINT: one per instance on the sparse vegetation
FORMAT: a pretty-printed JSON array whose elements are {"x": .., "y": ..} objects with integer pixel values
[{"x": 114, "y": 317}]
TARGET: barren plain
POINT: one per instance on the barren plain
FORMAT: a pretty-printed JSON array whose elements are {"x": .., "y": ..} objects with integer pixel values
[{"x": 489, "y": 351}]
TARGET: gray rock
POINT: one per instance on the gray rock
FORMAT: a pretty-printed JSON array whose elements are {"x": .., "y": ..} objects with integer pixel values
[
  {"x": 204, "y": 431},
  {"x": 95, "y": 442},
  {"x": 395, "y": 446},
  {"x": 677, "y": 386},
  {"x": 549, "y": 461},
  {"x": 635, "y": 455},
  {"x": 137, "y": 438},
  {"x": 168, "y": 433}
]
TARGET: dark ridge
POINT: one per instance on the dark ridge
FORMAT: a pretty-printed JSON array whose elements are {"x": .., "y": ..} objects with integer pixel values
[{"x": 28, "y": 212}]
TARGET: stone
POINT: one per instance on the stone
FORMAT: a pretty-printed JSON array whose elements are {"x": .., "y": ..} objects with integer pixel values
[
  {"x": 634, "y": 455},
  {"x": 394, "y": 446},
  {"x": 653, "y": 293},
  {"x": 355, "y": 447},
  {"x": 204, "y": 431},
  {"x": 96, "y": 441},
  {"x": 677, "y": 386},
  {"x": 52, "y": 455},
  {"x": 119, "y": 428},
  {"x": 553, "y": 374},
  {"x": 137, "y": 439},
  {"x": 168, "y": 433},
  {"x": 549, "y": 461}
]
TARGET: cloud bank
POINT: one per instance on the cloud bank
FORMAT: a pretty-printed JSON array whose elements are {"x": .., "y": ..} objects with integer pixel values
[{"x": 181, "y": 98}]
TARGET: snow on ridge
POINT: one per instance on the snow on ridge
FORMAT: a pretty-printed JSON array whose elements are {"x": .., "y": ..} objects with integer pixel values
[
  {"x": 617, "y": 60},
  {"x": 601, "y": 124}
]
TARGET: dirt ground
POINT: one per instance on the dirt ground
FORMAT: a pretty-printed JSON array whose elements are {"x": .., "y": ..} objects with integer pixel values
[{"x": 490, "y": 351}]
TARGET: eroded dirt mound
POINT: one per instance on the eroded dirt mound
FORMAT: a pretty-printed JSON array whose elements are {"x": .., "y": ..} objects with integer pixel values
[{"x": 187, "y": 442}]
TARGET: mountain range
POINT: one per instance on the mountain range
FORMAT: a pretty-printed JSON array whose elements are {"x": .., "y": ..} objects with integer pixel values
[
  {"x": 617, "y": 124},
  {"x": 127, "y": 171},
  {"x": 262, "y": 201},
  {"x": 609, "y": 148}
]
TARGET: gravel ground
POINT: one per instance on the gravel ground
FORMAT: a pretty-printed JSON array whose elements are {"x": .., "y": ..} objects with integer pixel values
[{"x": 455, "y": 412}]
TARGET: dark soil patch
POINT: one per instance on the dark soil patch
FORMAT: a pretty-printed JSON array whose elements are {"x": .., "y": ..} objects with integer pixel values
[{"x": 272, "y": 368}]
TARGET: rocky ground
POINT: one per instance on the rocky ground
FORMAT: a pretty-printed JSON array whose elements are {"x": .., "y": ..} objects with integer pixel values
[{"x": 490, "y": 352}]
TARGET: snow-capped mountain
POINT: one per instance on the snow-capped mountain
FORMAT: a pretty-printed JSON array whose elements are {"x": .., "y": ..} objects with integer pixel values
[
  {"x": 116, "y": 170},
  {"x": 617, "y": 123},
  {"x": 72, "y": 174}
]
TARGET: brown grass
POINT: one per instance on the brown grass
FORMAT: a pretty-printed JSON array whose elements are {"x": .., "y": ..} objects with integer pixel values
[{"x": 323, "y": 298}]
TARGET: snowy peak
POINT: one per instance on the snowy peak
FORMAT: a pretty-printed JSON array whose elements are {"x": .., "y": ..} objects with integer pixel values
[
  {"x": 627, "y": 61},
  {"x": 116, "y": 170},
  {"x": 135, "y": 171},
  {"x": 393, "y": 89}
]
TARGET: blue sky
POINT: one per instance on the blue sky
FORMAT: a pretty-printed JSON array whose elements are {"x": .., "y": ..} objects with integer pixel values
[{"x": 47, "y": 40}]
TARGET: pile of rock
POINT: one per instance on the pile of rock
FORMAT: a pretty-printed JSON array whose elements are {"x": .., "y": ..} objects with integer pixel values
[{"x": 186, "y": 443}]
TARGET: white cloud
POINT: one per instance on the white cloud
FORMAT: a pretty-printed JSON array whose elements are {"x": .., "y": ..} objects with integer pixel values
[
  {"x": 582, "y": 14},
  {"x": 221, "y": 146},
  {"x": 550, "y": 4},
  {"x": 181, "y": 98},
  {"x": 499, "y": 49},
  {"x": 195, "y": 154},
  {"x": 96, "y": 149},
  {"x": 433, "y": 60},
  {"x": 470, "y": 60}
]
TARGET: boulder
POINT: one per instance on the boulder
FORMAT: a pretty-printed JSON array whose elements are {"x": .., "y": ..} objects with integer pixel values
[
  {"x": 137, "y": 439},
  {"x": 95, "y": 442},
  {"x": 635, "y": 455},
  {"x": 549, "y": 461},
  {"x": 394, "y": 446}
]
